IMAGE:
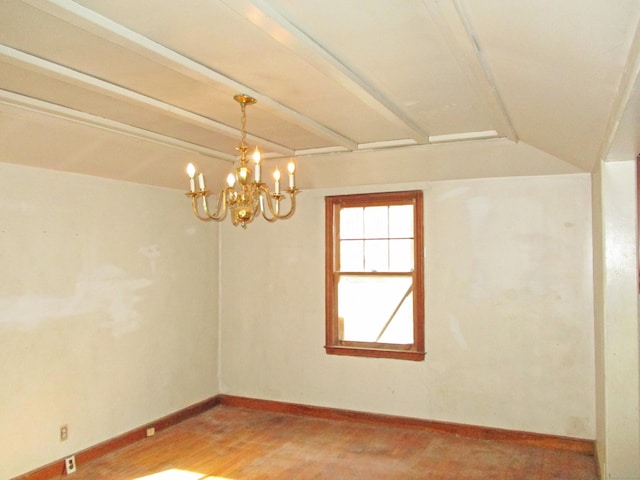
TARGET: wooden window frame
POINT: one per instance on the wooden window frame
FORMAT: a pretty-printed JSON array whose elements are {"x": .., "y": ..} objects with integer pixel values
[{"x": 333, "y": 344}]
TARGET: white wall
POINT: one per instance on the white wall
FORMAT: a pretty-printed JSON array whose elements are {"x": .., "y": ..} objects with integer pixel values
[
  {"x": 617, "y": 331},
  {"x": 509, "y": 310},
  {"x": 108, "y": 311}
]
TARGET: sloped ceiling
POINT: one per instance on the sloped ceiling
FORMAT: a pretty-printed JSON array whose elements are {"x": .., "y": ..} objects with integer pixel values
[{"x": 134, "y": 90}]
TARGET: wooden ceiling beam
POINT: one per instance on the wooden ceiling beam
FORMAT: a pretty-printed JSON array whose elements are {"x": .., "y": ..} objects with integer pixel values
[
  {"x": 462, "y": 41},
  {"x": 270, "y": 21},
  {"x": 107, "y": 29}
]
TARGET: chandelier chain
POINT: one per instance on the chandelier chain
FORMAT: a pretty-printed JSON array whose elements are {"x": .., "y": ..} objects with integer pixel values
[{"x": 243, "y": 127}]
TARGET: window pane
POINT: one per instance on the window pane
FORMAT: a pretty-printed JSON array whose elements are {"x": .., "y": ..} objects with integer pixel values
[
  {"x": 351, "y": 222},
  {"x": 400, "y": 329},
  {"x": 376, "y": 222},
  {"x": 351, "y": 256},
  {"x": 367, "y": 304},
  {"x": 401, "y": 221},
  {"x": 400, "y": 255},
  {"x": 376, "y": 255}
]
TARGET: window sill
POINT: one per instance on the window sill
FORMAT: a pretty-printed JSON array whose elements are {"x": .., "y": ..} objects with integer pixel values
[{"x": 375, "y": 353}]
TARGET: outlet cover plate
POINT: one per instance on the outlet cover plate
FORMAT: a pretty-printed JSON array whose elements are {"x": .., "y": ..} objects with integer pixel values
[{"x": 70, "y": 464}]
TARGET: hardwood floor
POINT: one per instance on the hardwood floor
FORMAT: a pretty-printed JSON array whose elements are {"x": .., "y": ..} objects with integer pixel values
[{"x": 234, "y": 443}]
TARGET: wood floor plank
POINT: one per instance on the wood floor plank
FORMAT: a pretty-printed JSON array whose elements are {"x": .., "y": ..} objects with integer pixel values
[{"x": 234, "y": 443}]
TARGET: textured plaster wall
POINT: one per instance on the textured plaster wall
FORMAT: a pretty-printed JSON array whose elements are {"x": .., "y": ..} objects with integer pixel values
[
  {"x": 617, "y": 331},
  {"x": 108, "y": 311},
  {"x": 509, "y": 310}
]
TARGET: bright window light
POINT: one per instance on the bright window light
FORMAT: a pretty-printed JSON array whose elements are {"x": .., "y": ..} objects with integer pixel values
[{"x": 176, "y": 474}]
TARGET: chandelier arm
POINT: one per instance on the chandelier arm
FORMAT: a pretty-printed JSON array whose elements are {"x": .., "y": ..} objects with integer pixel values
[
  {"x": 194, "y": 206},
  {"x": 268, "y": 219},
  {"x": 270, "y": 208},
  {"x": 264, "y": 196},
  {"x": 292, "y": 209},
  {"x": 221, "y": 207},
  {"x": 273, "y": 211}
]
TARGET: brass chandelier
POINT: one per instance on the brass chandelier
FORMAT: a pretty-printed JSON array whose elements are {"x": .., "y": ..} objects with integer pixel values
[{"x": 246, "y": 195}]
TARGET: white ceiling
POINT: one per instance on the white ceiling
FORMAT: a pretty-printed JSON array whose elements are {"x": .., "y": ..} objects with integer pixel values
[{"x": 135, "y": 89}]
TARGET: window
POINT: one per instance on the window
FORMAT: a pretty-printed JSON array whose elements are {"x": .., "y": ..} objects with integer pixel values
[{"x": 374, "y": 275}]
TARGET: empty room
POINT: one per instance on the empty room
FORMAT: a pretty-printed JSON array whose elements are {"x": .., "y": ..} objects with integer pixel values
[{"x": 355, "y": 239}]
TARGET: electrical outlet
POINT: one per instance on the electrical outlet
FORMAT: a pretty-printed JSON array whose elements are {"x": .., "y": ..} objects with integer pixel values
[
  {"x": 151, "y": 431},
  {"x": 70, "y": 464},
  {"x": 64, "y": 432}
]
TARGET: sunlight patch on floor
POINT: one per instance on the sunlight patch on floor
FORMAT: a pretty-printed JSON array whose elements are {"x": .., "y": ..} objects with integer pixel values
[{"x": 175, "y": 474}]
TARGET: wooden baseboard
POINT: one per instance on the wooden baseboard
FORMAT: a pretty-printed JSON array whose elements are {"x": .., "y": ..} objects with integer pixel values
[
  {"x": 56, "y": 468},
  {"x": 599, "y": 471},
  {"x": 523, "y": 438}
]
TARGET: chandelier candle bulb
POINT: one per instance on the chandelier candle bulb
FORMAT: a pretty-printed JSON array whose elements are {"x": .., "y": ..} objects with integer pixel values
[
  {"x": 201, "y": 182},
  {"x": 276, "y": 176},
  {"x": 256, "y": 159},
  {"x": 231, "y": 180},
  {"x": 191, "y": 171},
  {"x": 292, "y": 169}
]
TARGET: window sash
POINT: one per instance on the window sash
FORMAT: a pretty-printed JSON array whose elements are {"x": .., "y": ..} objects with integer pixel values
[{"x": 375, "y": 255}]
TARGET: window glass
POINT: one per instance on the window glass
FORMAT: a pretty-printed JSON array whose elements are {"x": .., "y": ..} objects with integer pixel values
[
  {"x": 376, "y": 222},
  {"x": 351, "y": 256},
  {"x": 401, "y": 221},
  {"x": 351, "y": 223},
  {"x": 376, "y": 309},
  {"x": 401, "y": 255},
  {"x": 376, "y": 255}
]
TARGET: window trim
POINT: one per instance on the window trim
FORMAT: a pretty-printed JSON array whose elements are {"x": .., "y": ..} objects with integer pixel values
[{"x": 333, "y": 345}]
